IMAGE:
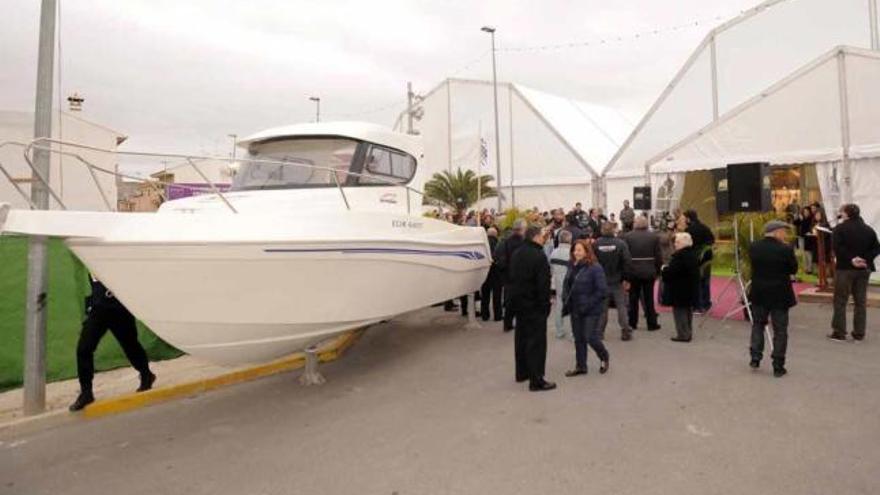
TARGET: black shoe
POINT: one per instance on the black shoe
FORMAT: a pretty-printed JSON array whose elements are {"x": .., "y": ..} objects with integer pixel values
[
  {"x": 147, "y": 380},
  {"x": 626, "y": 337},
  {"x": 679, "y": 339},
  {"x": 858, "y": 338},
  {"x": 653, "y": 328},
  {"x": 506, "y": 329},
  {"x": 606, "y": 365},
  {"x": 755, "y": 363},
  {"x": 84, "y": 399},
  {"x": 575, "y": 372},
  {"x": 542, "y": 387},
  {"x": 836, "y": 338},
  {"x": 779, "y": 371},
  {"x": 521, "y": 379},
  {"x": 498, "y": 319}
]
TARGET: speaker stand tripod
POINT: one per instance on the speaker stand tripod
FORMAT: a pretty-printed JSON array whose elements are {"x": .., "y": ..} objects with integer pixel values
[{"x": 735, "y": 281}]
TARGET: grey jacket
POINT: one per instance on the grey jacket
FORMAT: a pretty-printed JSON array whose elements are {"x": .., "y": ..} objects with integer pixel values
[
  {"x": 613, "y": 254},
  {"x": 647, "y": 258}
]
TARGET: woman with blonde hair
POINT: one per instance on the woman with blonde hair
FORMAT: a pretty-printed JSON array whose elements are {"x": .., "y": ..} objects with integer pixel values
[
  {"x": 584, "y": 292},
  {"x": 681, "y": 282}
]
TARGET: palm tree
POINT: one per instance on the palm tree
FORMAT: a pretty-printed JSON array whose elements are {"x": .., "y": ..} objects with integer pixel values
[{"x": 458, "y": 190}]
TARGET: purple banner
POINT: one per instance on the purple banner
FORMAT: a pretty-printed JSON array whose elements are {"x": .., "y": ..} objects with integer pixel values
[{"x": 185, "y": 190}]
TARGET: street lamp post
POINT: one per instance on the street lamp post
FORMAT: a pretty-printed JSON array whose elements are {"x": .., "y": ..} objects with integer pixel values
[
  {"x": 491, "y": 31},
  {"x": 317, "y": 101}
]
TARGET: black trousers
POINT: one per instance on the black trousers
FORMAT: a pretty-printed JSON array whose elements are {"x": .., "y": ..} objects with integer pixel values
[
  {"x": 642, "y": 290},
  {"x": 491, "y": 290},
  {"x": 779, "y": 320},
  {"x": 586, "y": 332},
  {"x": 509, "y": 313},
  {"x": 530, "y": 347},
  {"x": 122, "y": 325}
]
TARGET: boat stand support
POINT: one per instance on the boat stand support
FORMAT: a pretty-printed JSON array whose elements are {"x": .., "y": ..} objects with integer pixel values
[
  {"x": 472, "y": 323},
  {"x": 311, "y": 375}
]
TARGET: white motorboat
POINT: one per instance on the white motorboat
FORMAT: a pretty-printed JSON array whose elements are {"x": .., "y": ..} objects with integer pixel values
[{"x": 320, "y": 233}]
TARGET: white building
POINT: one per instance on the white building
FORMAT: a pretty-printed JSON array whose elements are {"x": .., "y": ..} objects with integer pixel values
[{"x": 69, "y": 178}]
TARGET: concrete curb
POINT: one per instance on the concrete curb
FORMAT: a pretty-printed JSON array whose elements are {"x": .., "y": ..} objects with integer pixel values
[
  {"x": 813, "y": 295},
  {"x": 330, "y": 351}
]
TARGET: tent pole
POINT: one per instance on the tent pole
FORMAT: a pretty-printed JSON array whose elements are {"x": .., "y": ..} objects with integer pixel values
[
  {"x": 510, "y": 127},
  {"x": 875, "y": 29},
  {"x": 844, "y": 126},
  {"x": 449, "y": 125},
  {"x": 714, "y": 62}
]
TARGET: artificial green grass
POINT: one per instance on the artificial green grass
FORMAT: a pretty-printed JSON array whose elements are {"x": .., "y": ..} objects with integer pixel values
[{"x": 68, "y": 287}]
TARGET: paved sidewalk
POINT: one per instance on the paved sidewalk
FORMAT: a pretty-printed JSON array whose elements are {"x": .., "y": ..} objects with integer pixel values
[{"x": 111, "y": 383}]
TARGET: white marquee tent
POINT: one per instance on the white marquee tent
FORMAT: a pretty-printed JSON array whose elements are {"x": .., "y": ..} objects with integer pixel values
[
  {"x": 780, "y": 47},
  {"x": 826, "y": 113},
  {"x": 552, "y": 148}
]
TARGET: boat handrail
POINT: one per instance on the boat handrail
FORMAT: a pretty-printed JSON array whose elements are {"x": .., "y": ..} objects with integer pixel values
[{"x": 48, "y": 145}]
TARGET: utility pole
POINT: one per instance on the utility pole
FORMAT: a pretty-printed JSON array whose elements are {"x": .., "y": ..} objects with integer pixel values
[
  {"x": 317, "y": 101},
  {"x": 491, "y": 31},
  {"x": 37, "y": 275}
]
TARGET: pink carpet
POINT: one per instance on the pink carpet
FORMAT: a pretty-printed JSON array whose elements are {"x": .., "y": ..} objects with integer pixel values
[{"x": 729, "y": 301}]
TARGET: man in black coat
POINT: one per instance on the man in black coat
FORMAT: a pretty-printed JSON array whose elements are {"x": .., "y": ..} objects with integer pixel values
[
  {"x": 773, "y": 266},
  {"x": 491, "y": 288},
  {"x": 647, "y": 259},
  {"x": 530, "y": 299},
  {"x": 855, "y": 245},
  {"x": 704, "y": 239},
  {"x": 503, "y": 256}
]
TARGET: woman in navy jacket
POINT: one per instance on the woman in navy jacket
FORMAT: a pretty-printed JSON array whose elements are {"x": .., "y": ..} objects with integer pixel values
[{"x": 584, "y": 293}]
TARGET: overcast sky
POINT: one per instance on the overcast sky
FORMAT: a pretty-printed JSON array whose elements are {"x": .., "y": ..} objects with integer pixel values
[{"x": 180, "y": 75}]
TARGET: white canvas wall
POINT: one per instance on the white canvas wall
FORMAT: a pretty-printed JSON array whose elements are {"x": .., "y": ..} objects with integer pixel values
[
  {"x": 547, "y": 143},
  {"x": 750, "y": 53}
]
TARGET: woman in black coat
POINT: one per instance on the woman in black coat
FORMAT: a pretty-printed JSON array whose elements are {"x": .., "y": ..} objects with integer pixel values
[
  {"x": 584, "y": 293},
  {"x": 681, "y": 280},
  {"x": 806, "y": 237}
]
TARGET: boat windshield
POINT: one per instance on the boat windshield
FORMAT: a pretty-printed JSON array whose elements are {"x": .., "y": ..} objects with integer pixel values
[{"x": 308, "y": 162}]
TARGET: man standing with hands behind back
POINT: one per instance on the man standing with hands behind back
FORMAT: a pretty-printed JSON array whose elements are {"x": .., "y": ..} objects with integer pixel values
[
  {"x": 773, "y": 266},
  {"x": 855, "y": 245}
]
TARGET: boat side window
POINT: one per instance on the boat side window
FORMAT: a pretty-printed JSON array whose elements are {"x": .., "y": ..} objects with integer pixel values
[{"x": 387, "y": 166}]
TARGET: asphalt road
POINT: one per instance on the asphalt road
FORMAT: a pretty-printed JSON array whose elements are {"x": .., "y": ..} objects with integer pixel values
[{"x": 421, "y": 406}]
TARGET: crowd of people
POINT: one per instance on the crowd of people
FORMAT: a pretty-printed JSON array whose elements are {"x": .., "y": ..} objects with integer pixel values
[{"x": 573, "y": 267}]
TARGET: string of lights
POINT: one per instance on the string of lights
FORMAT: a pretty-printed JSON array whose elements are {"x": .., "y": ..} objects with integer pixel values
[{"x": 648, "y": 33}]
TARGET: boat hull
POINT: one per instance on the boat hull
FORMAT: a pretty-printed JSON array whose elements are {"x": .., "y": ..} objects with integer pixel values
[{"x": 238, "y": 302}]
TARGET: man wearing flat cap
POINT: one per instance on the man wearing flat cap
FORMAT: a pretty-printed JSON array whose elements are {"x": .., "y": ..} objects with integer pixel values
[{"x": 773, "y": 266}]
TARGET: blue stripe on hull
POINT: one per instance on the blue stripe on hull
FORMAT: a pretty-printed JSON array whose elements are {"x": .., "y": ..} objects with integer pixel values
[{"x": 468, "y": 255}]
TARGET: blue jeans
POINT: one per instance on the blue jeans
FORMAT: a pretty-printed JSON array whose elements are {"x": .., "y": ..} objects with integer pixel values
[{"x": 586, "y": 332}]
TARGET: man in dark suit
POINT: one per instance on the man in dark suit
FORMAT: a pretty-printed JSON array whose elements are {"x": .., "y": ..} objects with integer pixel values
[
  {"x": 856, "y": 246},
  {"x": 644, "y": 247},
  {"x": 530, "y": 299},
  {"x": 503, "y": 256},
  {"x": 773, "y": 266}
]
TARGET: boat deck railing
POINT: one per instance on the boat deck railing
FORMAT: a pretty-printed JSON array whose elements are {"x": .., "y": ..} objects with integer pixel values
[{"x": 75, "y": 151}]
